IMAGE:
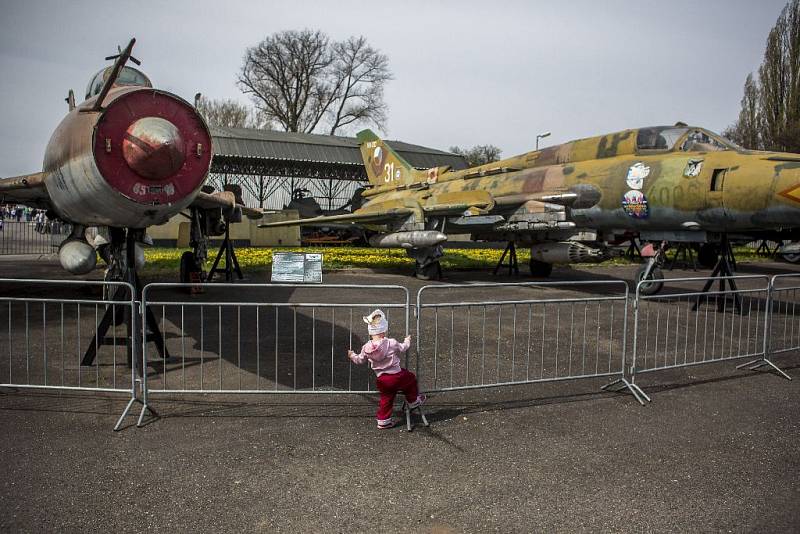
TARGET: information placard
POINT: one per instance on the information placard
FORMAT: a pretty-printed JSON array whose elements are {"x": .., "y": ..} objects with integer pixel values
[{"x": 297, "y": 267}]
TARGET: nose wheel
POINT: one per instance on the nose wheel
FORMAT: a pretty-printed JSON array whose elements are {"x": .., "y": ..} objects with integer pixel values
[{"x": 653, "y": 276}]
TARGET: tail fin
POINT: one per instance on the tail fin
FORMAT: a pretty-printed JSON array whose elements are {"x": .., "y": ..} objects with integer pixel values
[{"x": 384, "y": 166}]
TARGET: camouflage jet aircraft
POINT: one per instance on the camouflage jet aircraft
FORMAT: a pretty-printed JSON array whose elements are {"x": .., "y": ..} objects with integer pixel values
[{"x": 567, "y": 202}]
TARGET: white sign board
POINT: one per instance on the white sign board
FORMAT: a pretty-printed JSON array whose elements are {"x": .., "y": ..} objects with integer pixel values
[{"x": 297, "y": 267}]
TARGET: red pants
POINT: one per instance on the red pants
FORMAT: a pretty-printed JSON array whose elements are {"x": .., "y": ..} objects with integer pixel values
[{"x": 389, "y": 385}]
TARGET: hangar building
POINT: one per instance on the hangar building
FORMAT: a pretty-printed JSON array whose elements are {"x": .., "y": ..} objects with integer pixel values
[{"x": 269, "y": 165}]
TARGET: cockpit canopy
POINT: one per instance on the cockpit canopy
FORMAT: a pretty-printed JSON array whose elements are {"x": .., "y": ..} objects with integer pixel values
[
  {"x": 684, "y": 138},
  {"x": 127, "y": 76}
]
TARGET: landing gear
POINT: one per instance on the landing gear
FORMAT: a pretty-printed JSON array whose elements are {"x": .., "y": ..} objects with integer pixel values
[
  {"x": 655, "y": 274},
  {"x": 427, "y": 265},
  {"x": 793, "y": 257},
  {"x": 708, "y": 254},
  {"x": 432, "y": 271},
  {"x": 651, "y": 271},
  {"x": 540, "y": 269},
  {"x": 190, "y": 269}
]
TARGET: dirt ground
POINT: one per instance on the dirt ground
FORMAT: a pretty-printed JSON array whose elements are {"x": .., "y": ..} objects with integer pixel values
[{"x": 716, "y": 450}]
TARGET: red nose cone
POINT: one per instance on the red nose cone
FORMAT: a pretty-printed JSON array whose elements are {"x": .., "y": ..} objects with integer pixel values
[{"x": 153, "y": 148}]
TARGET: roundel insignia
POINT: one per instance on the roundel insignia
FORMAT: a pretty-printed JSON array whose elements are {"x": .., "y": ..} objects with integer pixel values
[{"x": 634, "y": 203}]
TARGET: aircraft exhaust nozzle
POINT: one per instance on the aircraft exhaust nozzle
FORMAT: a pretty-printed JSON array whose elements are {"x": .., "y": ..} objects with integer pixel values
[
  {"x": 408, "y": 240},
  {"x": 566, "y": 252},
  {"x": 77, "y": 256}
]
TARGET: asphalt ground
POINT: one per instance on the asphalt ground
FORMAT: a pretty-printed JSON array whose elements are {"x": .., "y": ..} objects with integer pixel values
[{"x": 716, "y": 450}]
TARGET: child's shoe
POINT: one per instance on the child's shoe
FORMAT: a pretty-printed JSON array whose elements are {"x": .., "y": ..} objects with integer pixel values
[
  {"x": 419, "y": 402},
  {"x": 383, "y": 424}
]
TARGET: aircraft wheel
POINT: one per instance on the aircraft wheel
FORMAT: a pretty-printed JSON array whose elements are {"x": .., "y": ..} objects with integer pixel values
[
  {"x": 707, "y": 255},
  {"x": 432, "y": 271},
  {"x": 188, "y": 266},
  {"x": 540, "y": 269},
  {"x": 653, "y": 287},
  {"x": 791, "y": 258}
]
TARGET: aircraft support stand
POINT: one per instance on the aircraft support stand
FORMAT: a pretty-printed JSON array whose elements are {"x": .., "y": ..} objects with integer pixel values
[
  {"x": 764, "y": 250},
  {"x": 685, "y": 255},
  {"x": 111, "y": 314},
  {"x": 633, "y": 251},
  {"x": 231, "y": 262},
  {"x": 513, "y": 264},
  {"x": 724, "y": 270}
]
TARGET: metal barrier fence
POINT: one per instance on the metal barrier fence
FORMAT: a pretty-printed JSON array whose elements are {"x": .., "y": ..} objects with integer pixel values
[
  {"x": 783, "y": 321},
  {"x": 31, "y": 237},
  {"x": 683, "y": 325},
  {"x": 279, "y": 338},
  {"x": 55, "y": 341},
  {"x": 515, "y": 334}
]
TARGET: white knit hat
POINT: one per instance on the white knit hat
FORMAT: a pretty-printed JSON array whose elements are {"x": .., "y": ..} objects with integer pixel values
[{"x": 376, "y": 322}]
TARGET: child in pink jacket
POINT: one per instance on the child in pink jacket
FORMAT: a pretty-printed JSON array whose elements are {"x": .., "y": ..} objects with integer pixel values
[{"x": 383, "y": 355}]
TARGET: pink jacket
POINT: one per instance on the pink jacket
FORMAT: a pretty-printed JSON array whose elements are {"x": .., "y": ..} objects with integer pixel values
[{"x": 383, "y": 355}]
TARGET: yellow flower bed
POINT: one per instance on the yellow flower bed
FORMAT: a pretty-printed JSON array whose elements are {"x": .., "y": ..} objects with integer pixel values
[{"x": 162, "y": 259}]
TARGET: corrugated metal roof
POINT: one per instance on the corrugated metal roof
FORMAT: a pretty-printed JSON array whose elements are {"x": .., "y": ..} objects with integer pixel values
[{"x": 290, "y": 146}]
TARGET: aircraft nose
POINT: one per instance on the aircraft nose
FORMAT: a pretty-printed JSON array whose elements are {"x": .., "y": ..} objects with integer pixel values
[{"x": 153, "y": 148}]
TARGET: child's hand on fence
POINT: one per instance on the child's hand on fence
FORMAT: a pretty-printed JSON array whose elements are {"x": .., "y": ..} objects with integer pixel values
[
  {"x": 350, "y": 353},
  {"x": 407, "y": 340}
]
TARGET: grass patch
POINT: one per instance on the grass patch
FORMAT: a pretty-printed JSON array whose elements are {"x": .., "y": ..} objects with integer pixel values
[{"x": 167, "y": 260}]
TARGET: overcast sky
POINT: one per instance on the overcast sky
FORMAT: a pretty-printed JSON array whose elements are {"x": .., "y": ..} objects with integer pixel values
[{"x": 465, "y": 72}]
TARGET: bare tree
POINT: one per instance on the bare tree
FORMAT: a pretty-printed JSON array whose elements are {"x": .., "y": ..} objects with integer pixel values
[
  {"x": 229, "y": 113},
  {"x": 359, "y": 72},
  {"x": 302, "y": 81},
  {"x": 478, "y": 155},
  {"x": 746, "y": 130}
]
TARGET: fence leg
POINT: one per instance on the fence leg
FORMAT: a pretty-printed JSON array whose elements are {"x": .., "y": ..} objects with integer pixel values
[
  {"x": 407, "y": 409},
  {"x": 622, "y": 384},
  {"x": 761, "y": 362},
  {"x": 764, "y": 361},
  {"x": 131, "y": 402}
]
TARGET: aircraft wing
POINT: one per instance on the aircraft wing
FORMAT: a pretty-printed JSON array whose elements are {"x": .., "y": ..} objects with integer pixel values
[
  {"x": 25, "y": 189},
  {"x": 223, "y": 199},
  {"x": 368, "y": 217},
  {"x": 444, "y": 204}
]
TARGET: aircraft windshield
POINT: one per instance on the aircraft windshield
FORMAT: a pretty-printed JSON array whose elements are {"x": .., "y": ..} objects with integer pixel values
[
  {"x": 127, "y": 76},
  {"x": 659, "y": 138},
  {"x": 702, "y": 141}
]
